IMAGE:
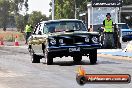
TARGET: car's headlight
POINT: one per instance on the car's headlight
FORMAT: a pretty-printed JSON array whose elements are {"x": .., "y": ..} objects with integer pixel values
[
  {"x": 86, "y": 39},
  {"x": 61, "y": 41},
  {"x": 52, "y": 41},
  {"x": 95, "y": 40}
]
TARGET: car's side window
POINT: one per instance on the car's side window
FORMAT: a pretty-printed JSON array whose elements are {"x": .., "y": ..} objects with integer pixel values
[
  {"x": 37, "y": 30},
  {"x": 45, "y": 29},
  {"x": 40, "y": 31}
]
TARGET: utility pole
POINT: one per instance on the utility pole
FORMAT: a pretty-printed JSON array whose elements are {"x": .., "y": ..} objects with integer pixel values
[
  {"x": 53, "y": 9},
  {"x": 75, "y": 10}
]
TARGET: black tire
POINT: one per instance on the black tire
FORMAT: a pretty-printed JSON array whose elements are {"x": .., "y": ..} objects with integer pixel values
[
  {"x": 35, "y": 58},
  {"x": 93, "y": 56},
  {"x": 124, "y": 40},
  {"x": 49, "y": 58},
  {"x": 77, "y": 58}
]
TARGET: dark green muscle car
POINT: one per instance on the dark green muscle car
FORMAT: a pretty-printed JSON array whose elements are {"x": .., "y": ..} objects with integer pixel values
[{"x": 58, "y": 38}]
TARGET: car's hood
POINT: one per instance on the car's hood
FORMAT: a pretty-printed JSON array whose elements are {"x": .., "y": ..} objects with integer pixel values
[
  {"x": 72, "y": 33},
  {"x": 38, "y": 39}
]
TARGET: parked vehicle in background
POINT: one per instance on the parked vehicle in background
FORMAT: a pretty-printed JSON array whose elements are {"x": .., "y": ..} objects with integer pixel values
[
  {"x": 126, "y": 32},
  {"x": 67, "y": 37}
]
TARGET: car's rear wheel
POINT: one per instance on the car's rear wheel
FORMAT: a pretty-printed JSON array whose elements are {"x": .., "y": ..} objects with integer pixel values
[
  {"x": 48, "y": 58},
  {"x": 77, "y": 58},
  {"x": 34, "y": 58},
  {"x": 93, "y": 56}
]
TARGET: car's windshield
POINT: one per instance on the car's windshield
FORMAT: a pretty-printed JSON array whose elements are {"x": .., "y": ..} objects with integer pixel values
[
  {"x": 61, "y": 26},
  {"x": 123, "y": 26}
]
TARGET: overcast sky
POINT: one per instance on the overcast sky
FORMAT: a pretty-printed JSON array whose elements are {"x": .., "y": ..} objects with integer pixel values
[{"x": 39, "y": 5}]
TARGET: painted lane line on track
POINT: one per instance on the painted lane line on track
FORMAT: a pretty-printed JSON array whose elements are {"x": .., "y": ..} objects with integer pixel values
[{"x": 114, "y": 57}]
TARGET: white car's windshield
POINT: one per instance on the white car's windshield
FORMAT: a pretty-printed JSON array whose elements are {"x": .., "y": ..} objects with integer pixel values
[{"x": 61, "y": 26}]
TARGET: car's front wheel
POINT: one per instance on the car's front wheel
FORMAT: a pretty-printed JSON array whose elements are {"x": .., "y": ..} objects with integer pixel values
[
  {"x": 93, "y": 56},
  {"x": 48, "y": 58}
]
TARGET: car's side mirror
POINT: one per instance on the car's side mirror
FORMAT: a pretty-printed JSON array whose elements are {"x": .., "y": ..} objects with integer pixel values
[{"x": 40, "y": 33}]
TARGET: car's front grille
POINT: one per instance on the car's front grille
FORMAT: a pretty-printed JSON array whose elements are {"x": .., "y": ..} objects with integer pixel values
[
  {"x": 68, "y": 41},
  {"x": 73, "y": 40},
  {"x": 79, "y": 40}
]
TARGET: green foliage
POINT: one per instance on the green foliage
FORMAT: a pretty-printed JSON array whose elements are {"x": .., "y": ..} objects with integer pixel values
[
  {"x": 127, "y": 2},
  {"x": 4, "y": 12},
  {"x": 35, "y": 17},
  {"x": 17, "y": 5},
  {"x": 21, "y": 21},
  {"x": 12, "y": 7},
  {"x": 66, "y": 8}
]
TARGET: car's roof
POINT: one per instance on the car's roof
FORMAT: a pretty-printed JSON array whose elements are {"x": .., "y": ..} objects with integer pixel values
[
  {"x": 63, "y": 20},
  {"x": 43, "y": 22}
]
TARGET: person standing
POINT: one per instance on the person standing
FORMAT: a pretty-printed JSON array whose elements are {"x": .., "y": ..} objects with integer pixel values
[
  {"x": 90, "y": 29},
  {"x": 108, "y": 32},
  {"x": 28, "y": 31}
]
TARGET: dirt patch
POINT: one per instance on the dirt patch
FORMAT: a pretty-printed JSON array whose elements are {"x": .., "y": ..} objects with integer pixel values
[{"x": 11, "y": 35}]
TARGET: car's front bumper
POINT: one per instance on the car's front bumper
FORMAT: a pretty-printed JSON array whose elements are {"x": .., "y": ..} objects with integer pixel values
[{"x": 64, "y": 50}]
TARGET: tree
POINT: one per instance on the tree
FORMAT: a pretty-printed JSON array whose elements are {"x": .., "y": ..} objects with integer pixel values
[
  {"x": 35, "y": 17},
  {"x": 127, "y": 2},
  {"x": 16, "y": 7},
  {"x": 66, "y": 8},
  {"x": 11, "y": 7},
  {"x": 4, "y": 12},
  {"x": 21, "y": 22}
]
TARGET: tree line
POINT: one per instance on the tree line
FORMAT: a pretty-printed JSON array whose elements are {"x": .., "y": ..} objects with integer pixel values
[
  {"x": 66, "y": 8},
  {"x": 10, "y": 13}
]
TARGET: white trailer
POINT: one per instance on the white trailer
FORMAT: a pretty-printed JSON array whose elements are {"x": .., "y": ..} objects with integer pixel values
[{"x": 97, "y": 10}]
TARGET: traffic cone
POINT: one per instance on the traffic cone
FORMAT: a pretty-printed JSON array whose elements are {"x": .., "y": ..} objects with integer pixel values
[
  {"x": 16, "y": 41},
  {"x": 1, "y": 40}
]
